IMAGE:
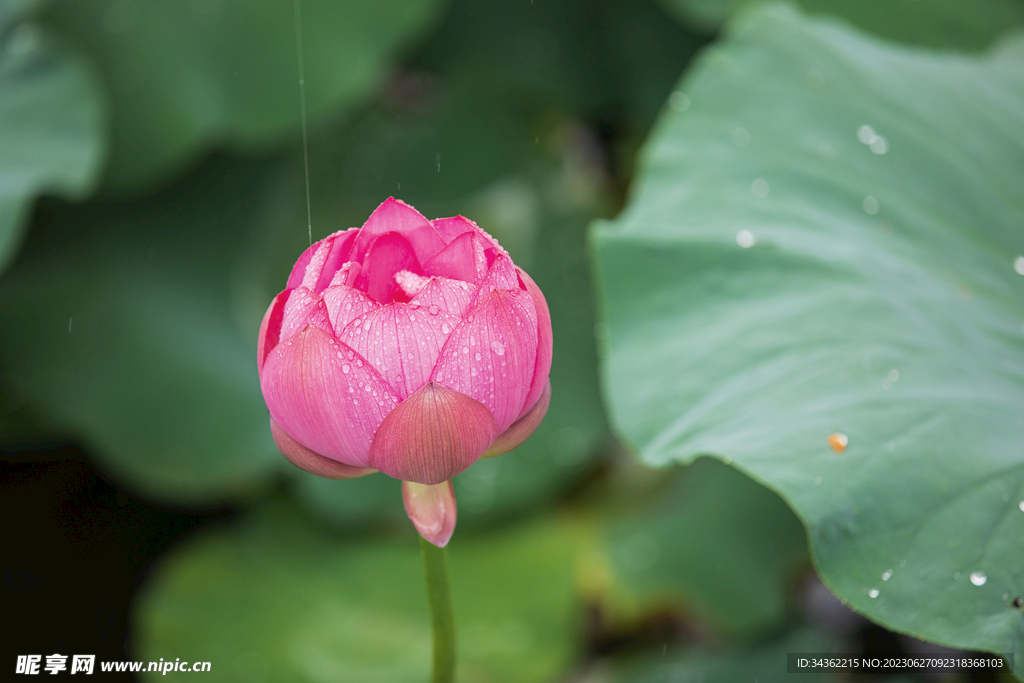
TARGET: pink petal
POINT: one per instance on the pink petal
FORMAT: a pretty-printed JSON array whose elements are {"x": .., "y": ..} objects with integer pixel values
[
  {"x": 452, "y": 296},
  {"x": 401, "y": 341},
  {"x": 347, "y": 275},
  {"x": 341, "y": 244},
  {"x": 394, "y": 215},
  {"x": 304, "y": 308},
  {"x": 450, "y": 228},
  {"x": 465, "y": 259},
  {"x": 311, "y": 462},
  {"x": 431, "y": 510},
  {"x": 410, "y": 282},
  {"x": 513, "y": 437},
  {"x": 545, "y": 340},
  {"x": 345, "y": 304},
  {"x": 316, "y": 265},
  {"x": 491, "y": 355},
  {"x": 270, "y": 329},
  {"x": 432, "y": 436},
  {"x": 389, "y": 254},
  {"x": 502, "y": 275},
  {"x": 325, "y": 395}
]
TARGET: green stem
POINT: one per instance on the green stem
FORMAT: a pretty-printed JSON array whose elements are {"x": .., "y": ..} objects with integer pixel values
[{"x": 435, "y": 563}]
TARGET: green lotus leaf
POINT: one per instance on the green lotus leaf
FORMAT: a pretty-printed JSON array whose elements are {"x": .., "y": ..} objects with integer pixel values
[{"x": 820, "y": 275}]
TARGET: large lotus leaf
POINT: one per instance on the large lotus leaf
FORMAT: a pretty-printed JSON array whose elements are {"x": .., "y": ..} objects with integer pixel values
[
  {"x": 117, "y": 325},
  {"x": 964, "y": 24},
  {"x": 714, "y": 544},
  {"x": 52, "y": 115},
  {"x": 271, "y": 598},
  {"x": 784, "y": 273},
  {"x": 186, "y": 75}
]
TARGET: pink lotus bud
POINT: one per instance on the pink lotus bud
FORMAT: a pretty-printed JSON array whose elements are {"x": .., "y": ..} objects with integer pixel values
[{"x": 408, "y": 346}]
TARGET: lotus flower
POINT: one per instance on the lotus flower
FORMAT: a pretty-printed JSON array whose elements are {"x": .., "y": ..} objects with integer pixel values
[{"x": 410, "y": 347}]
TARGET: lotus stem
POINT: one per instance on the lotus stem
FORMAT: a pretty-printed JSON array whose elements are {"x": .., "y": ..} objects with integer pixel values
[{"x": 435, "y": 564}]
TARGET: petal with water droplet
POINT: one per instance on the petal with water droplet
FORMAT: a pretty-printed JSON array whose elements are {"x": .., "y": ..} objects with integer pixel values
[
  {"x": 308, "y": 395},
  {"x": 451, "y": 296},
  {"x": 407, "y": 345},
  {"x": 502, "y": 383},
  {"x": 394, "y": 215},
  {"x": 545, "y": 341},
  {"x": 302, "y": 308},
  {"x": 345, "y": 304},
  {"x": 513, "y": 437},
  {"x": 433, "y": 435}
]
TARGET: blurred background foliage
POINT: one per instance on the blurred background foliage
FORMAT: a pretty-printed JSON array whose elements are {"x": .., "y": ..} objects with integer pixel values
[{"x": 153, "y": 200}]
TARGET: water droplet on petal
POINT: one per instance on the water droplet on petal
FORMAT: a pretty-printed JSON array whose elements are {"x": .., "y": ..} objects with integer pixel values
[
  {"x": 445, "y": 329},
  {"x": 465, "y": 349},
  {"x": 339, "y": 353},
  {"x": 478, "y": 355},
  {"x": 498, "y": 347},
  {"x": 978, "y": 578},
  {"x": 345, "y": 368},
  {"x": 873, "y": 593},
  {"x": 432, "y": 309},
  {"x": 838, "y": 442}
]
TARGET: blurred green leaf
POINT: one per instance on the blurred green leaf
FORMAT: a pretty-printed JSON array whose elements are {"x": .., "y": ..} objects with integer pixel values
[
  {"x": 53, "y": 115},
  {"x": 10, "y": 10},
  {"x": 784, "y": 273},
  {"x": 189, "y": 75},
  {"x": 765, "y": 663},
  {"x": 117, "y": 323},
  {"x": 716, "y": 544},
  {"x": 271, "y": 598},
  {"x": 962, "y": 24}
]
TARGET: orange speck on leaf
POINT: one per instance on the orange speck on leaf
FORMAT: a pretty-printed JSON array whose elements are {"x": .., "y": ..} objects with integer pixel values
[{"x": 838, "y": 442}]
